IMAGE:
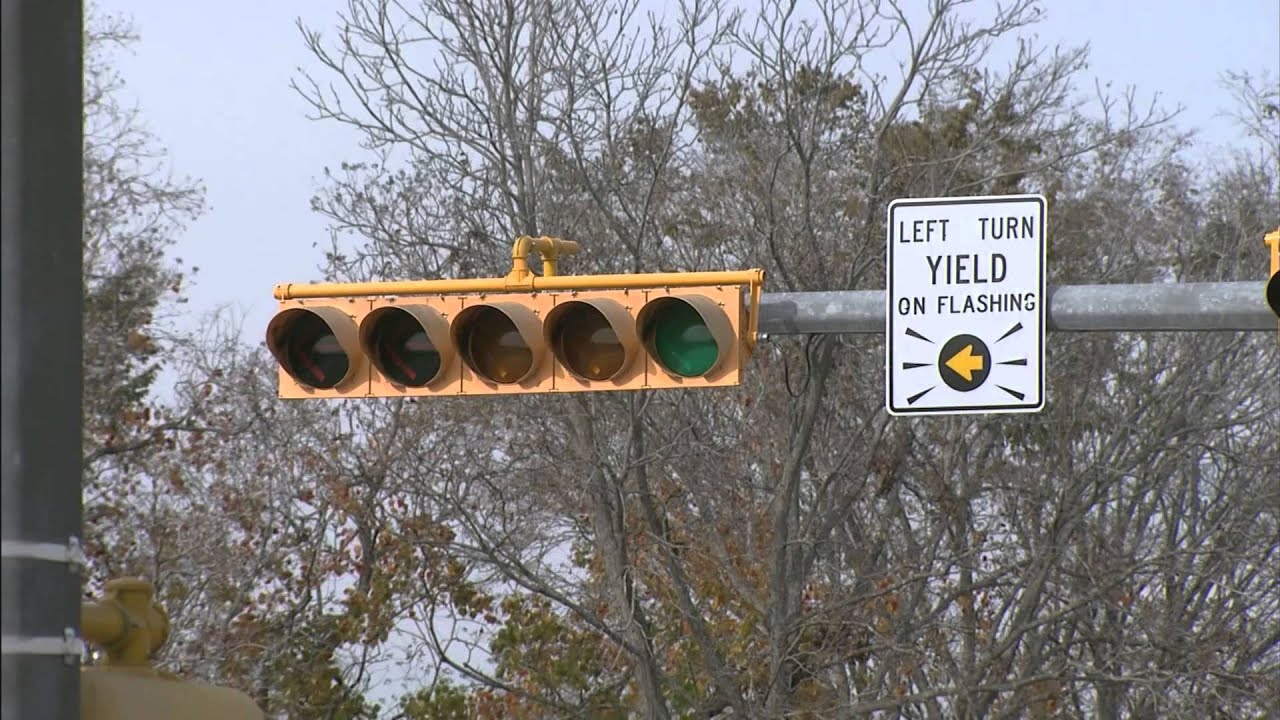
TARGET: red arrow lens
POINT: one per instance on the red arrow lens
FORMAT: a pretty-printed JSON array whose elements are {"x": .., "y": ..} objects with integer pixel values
[
  {"x": 312, "y": 354},
  {"x": 401, "y": 349}
]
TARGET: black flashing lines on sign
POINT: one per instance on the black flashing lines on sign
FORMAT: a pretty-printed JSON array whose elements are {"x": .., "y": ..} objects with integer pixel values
[
  {"x": 912, "y": 400},
  {"x": 915, "y": 334},
  {"x": 1019, "y": 361},
  {"x": 1011, "y": 331},
  {"x": 1014, "y": 393},
  {"x": 911, "y": 365}
]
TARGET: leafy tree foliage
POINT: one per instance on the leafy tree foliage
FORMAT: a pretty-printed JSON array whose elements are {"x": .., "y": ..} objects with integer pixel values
[
  {"x": 133, "y": 212},
  {"x": 184, "y": 479},
  {"x": 782, "y": 548}
]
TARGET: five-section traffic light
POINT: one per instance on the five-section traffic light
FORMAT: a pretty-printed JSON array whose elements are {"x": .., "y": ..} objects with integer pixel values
[{"x": 562, "y": 335}]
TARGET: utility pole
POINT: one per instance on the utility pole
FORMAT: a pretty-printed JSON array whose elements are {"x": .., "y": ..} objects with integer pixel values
[{"x": 41, "y": 77}]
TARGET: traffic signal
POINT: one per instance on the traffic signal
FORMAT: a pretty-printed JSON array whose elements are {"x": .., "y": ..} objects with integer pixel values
[
  {"x": 1272, "y": 239},
  {"x": 518, "y": 334},
  {"x": 317, "y": 347}
]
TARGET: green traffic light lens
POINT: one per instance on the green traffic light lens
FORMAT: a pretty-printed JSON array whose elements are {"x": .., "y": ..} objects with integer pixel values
[
  {"x": 681, "y": 340},
  {"x": 586, "y": 344},
  {"x": 401, "y": 349},
  {"x": 492, "y": 346},
  {"x": 311, "y": 353}
]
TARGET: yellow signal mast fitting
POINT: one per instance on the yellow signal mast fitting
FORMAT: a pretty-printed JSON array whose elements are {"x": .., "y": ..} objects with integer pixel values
[
  {"x": 126, "y": 624},
  {"x": 521, "y": 279},
  {"x": 548, "y": 247},
  {"x": 130, "y": 627}
]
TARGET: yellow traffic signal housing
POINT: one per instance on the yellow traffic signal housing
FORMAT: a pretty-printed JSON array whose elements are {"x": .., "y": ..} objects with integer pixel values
[
  {"x": 407, "y": 343},
  {"x": 501, "y": 343},
  {"x": 124, "y": 695},
  {"x": 594, "y": 341},
  {"x": 1272, "y": 239},
  {"x": 518, "y": 334},
  {"x": 507, "y": 343},
  {"x": 694, "y": 337},
  {"x": 317, "y": 347}
]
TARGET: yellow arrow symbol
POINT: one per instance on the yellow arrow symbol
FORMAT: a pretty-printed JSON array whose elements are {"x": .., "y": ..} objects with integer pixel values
[{"x": 964, "y": 363}]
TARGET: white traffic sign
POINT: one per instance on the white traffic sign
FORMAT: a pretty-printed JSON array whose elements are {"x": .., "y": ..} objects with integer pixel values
[{"x": 966, "y": 301}]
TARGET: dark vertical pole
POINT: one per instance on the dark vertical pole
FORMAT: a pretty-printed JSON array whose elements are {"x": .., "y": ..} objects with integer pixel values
[{"x": 41, "y": 73}]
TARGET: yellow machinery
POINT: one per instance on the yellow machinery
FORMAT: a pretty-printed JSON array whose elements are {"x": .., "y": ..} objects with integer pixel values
[{"x": 129, "y": 627}]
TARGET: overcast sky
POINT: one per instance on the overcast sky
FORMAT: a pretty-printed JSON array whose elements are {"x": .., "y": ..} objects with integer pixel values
[{"x": 212, "y": 81}]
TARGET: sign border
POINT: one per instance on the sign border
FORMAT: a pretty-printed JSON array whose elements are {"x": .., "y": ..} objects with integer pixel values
[{"x": 888, "y": 301}]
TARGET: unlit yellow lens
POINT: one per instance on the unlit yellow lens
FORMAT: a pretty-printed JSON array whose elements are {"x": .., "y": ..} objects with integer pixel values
[
  {"x": 587, "y": 344},
  {"x": 495, "y": 349}
]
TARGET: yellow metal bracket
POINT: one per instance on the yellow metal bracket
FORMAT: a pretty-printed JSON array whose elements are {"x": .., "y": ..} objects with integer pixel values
[
  {"x": 753, "y": 311},
  {"x": 521, "y": 279},
  {"x": 1273, "y": 240},
  {"x": 549, "y": 248},
  {"x": 130, "y": 627},
  {"x": 127, "y": 624}
]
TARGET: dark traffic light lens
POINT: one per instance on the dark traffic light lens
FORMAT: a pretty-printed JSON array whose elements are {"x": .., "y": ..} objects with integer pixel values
[
  {"x": 493, "y": 347},
  {"x": 587, "y": 344},
  {"x": 312, "y": 353},
  {"x": 401, "y": 349},
  {"x": 681, "y": 339}
]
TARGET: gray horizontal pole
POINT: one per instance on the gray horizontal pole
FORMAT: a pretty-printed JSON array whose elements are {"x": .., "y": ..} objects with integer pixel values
[{"x": 1227, "y": 306}]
